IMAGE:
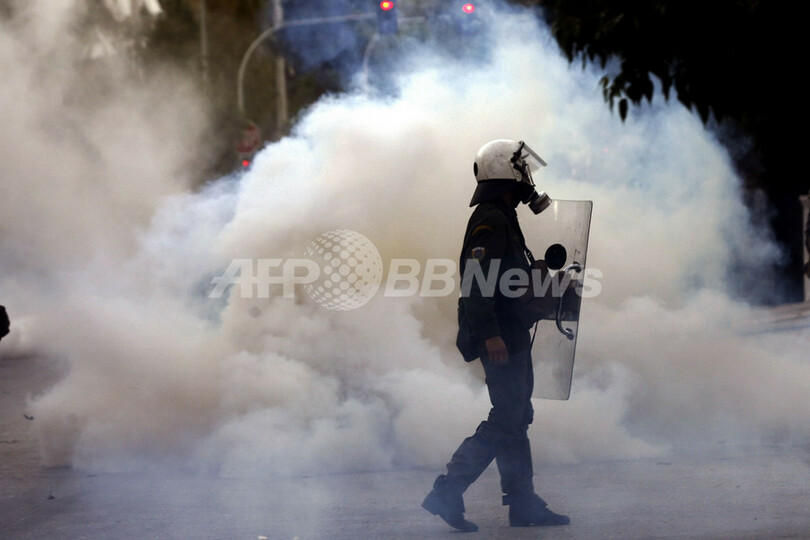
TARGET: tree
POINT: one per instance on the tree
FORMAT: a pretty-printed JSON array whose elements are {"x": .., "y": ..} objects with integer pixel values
[
  {"x": 723, "y": 59},
  {"x": 230, "y": 27}
]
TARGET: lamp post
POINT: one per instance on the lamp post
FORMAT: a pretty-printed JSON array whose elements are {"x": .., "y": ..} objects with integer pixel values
[
  {"x": 282, "y": 113},
  {"x": 280, "y": 72},
  {"x": 281, "y": 82}
]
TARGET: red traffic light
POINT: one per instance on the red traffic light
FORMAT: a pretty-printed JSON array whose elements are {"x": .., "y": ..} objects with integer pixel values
[
  {"x": 386, "y": 5},
  {"x": 468, "y": 8}
]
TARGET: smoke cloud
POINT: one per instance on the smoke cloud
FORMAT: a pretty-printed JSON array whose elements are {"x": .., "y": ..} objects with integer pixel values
[{"x": 108, "y": 257}]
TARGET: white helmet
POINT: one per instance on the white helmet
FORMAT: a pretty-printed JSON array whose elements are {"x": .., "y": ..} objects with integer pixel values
[{"x": 501, "y": 162}]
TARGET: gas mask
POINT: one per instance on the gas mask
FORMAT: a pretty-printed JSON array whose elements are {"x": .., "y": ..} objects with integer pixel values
[{"x": 525, "y": 161}]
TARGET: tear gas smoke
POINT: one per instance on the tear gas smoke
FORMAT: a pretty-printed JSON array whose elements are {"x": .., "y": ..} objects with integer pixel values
[{"x": 111, "y": 260}]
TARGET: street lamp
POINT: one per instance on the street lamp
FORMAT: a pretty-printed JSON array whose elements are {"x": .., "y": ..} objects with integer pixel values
[{"x": 240, "y": 76}]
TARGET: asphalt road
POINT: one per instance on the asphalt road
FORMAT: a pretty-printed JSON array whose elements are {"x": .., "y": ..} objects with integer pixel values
[{"x": 761, "y": 492}]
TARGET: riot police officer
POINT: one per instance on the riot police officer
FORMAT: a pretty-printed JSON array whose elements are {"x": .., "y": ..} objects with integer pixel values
[{"x": 492, "y": 327}]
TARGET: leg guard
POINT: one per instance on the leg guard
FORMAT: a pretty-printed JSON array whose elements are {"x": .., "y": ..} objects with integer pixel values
[
  {"x": 514, "y": 459},
  {"x": 471, "y": 459}
]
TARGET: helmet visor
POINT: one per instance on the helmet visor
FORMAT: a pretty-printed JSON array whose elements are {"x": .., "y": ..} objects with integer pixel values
[{"x": 527, "y": 161}]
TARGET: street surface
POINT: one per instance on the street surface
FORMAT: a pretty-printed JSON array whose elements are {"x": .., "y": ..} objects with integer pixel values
[{"x": 761, "y": 492}]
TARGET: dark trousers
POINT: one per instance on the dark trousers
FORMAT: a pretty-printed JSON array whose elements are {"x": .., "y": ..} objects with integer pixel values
[{"x": 503, "y": 435}]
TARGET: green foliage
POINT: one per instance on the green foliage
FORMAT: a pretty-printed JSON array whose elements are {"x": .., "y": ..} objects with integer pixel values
[
  {"x": 705, "y": 51},
  {"x": 728, "y": 60},
  {"x": 723, "y": 59}
]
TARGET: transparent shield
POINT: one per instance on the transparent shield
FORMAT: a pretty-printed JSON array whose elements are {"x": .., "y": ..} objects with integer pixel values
[{"x": 559, "y": 236}]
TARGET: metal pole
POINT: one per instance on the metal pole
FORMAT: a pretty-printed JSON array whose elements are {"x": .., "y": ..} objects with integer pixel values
[
  {"x": 366, "y": 57},
  {"x": 240, "y": 76},
  {"x": 203, "y": 43},
  {"x": 281, "y": 75}
]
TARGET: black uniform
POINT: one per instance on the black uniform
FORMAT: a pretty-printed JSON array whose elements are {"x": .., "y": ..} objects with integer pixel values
[{"x": 494, "y": 237}]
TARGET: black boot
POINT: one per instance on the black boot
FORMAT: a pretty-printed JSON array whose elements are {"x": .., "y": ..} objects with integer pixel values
[
  {"x": 445, "y": 501},
  {"x": 531, "y": 510}
]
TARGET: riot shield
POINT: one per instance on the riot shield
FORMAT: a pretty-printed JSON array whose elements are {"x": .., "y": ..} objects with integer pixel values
[{"x": 560, "y": 236}]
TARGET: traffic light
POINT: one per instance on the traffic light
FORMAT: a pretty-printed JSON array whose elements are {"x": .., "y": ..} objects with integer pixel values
[
  {"x": 387, "y": 17},
  {"x": 469, "y": 22},
  {"x": 248, "y": 142}
]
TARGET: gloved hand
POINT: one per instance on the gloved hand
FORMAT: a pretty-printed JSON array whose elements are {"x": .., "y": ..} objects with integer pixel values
[{"x": 497, "y": 352}]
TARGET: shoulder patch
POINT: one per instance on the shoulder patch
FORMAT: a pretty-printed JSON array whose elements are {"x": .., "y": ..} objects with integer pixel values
[{"x": 478, "y": 253}]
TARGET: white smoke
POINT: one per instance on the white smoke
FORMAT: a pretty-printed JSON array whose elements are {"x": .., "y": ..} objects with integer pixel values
[{"x": 112, "y": 260}]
